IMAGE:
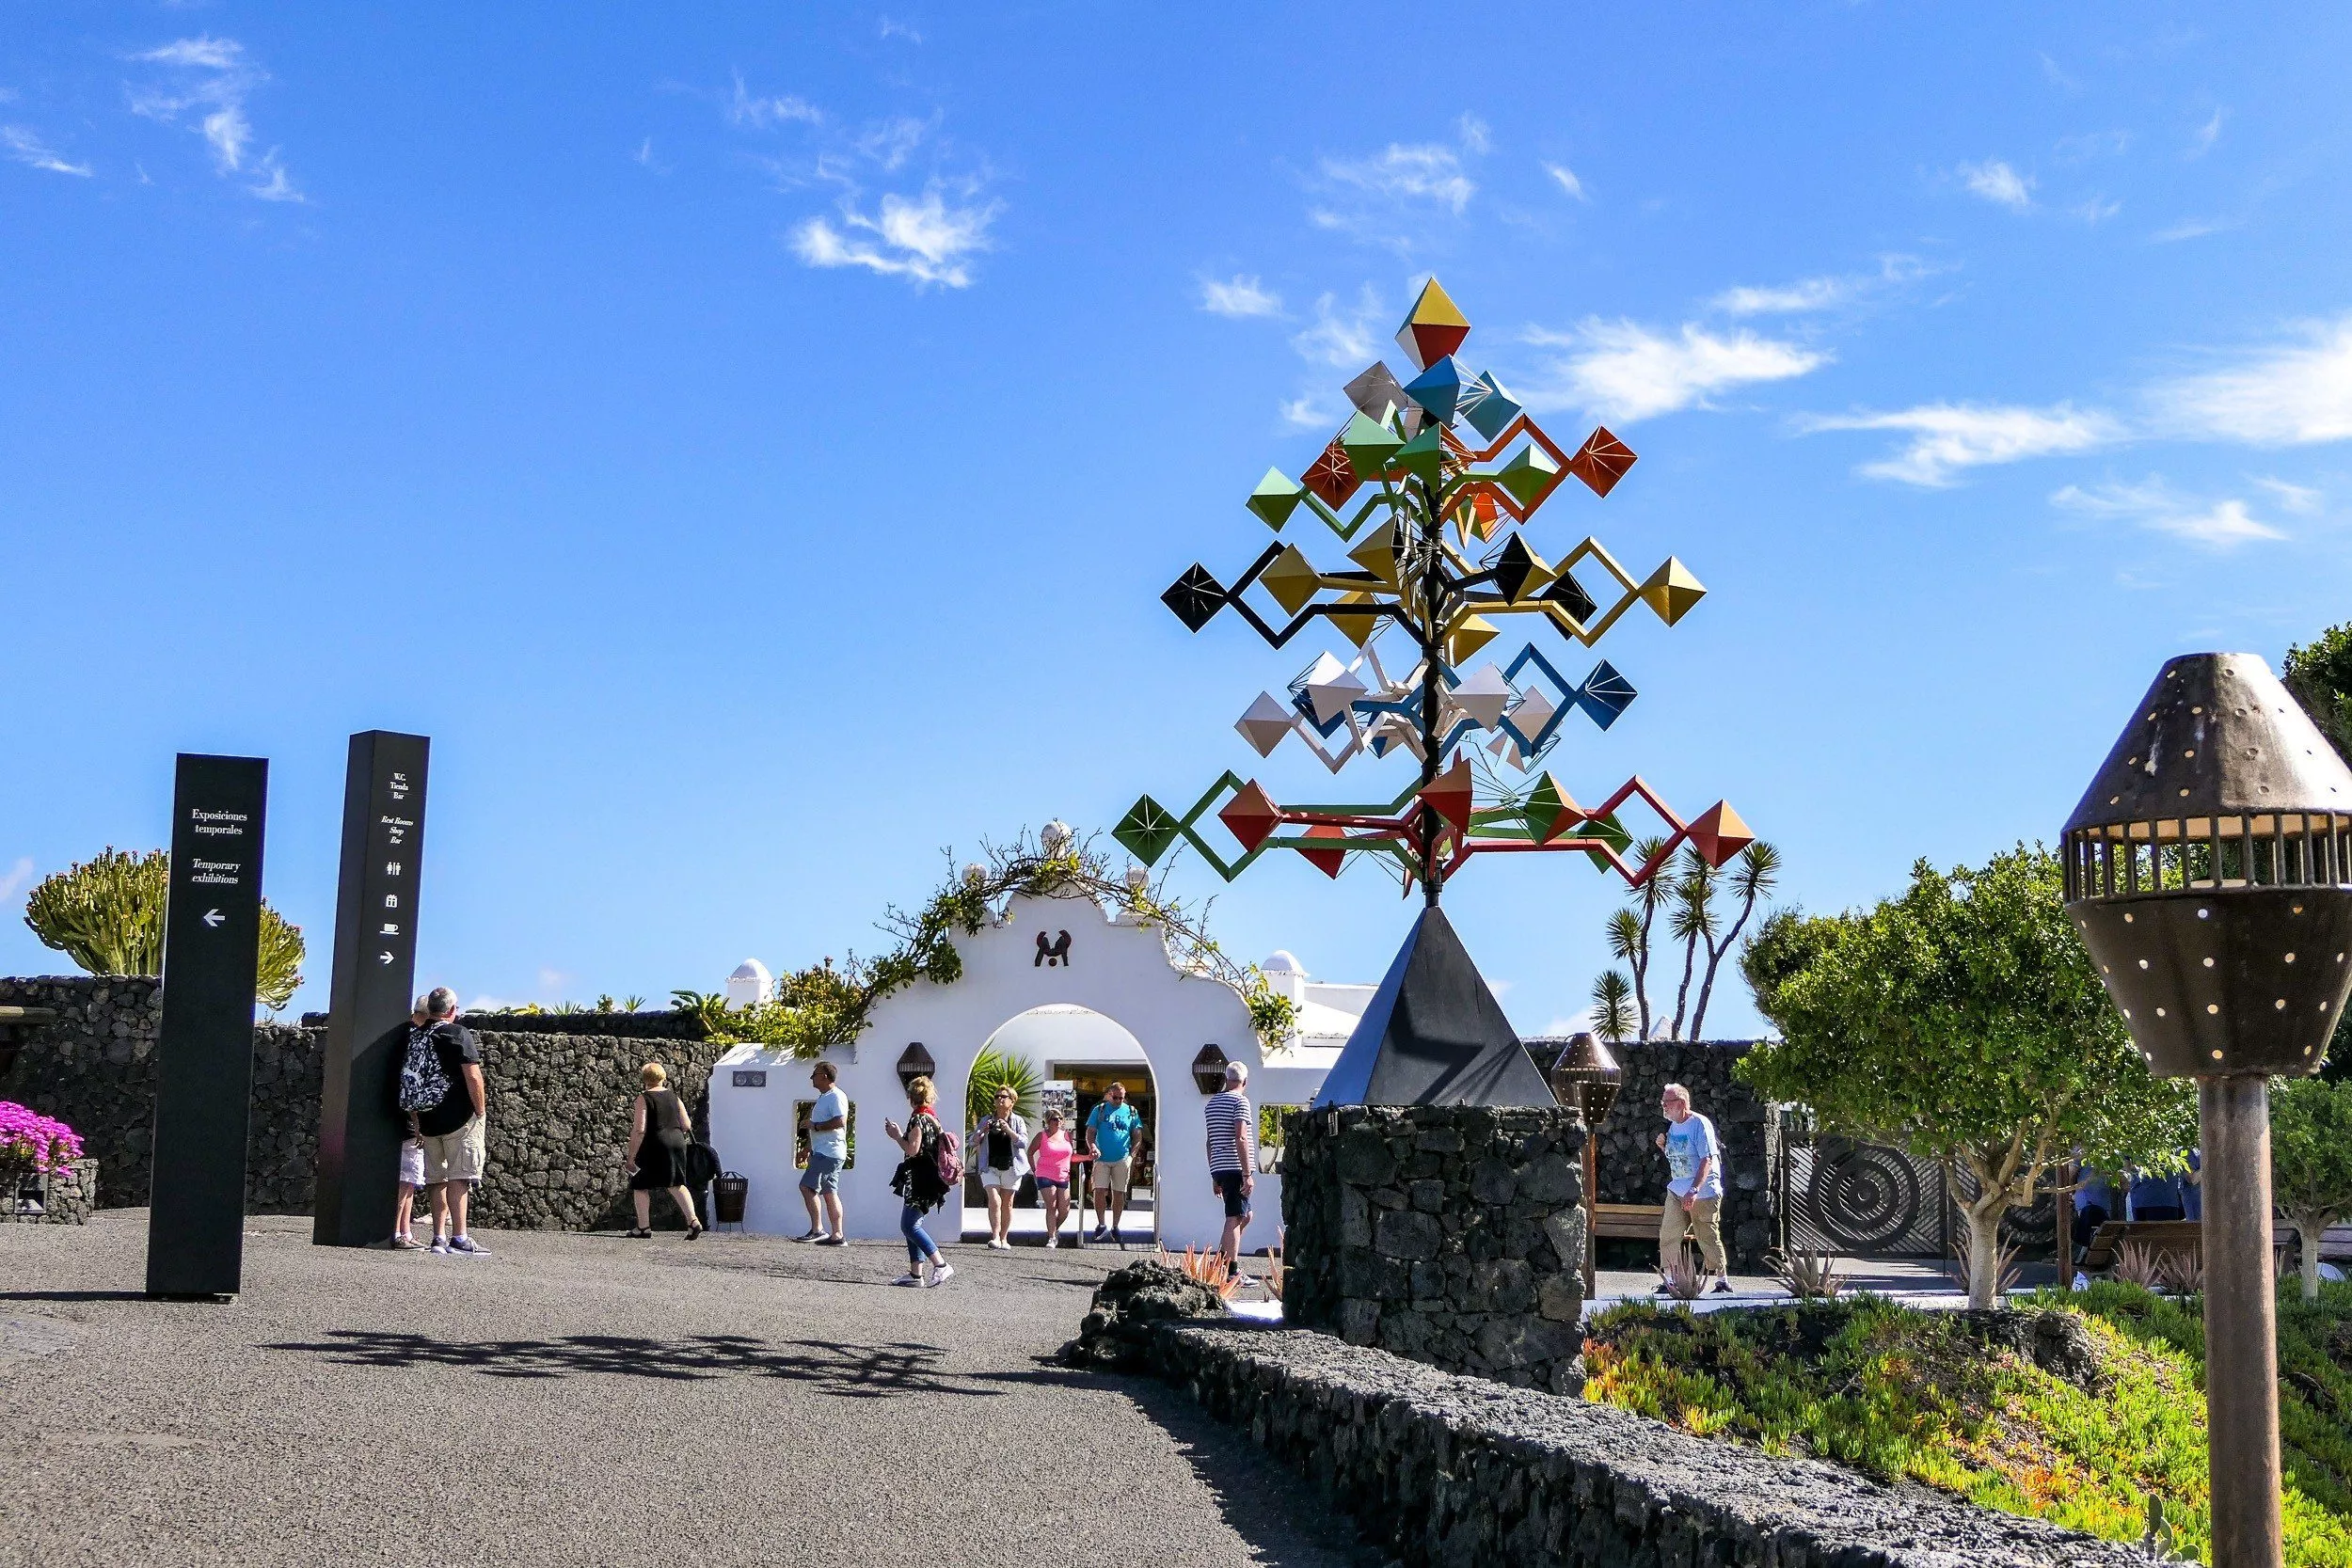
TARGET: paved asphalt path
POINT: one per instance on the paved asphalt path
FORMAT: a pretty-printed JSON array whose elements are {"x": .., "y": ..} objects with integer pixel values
[{"x": 592, "y": 1399}]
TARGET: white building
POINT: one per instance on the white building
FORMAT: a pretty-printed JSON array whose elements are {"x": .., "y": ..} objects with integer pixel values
[{"x": 1087, "y": 998}]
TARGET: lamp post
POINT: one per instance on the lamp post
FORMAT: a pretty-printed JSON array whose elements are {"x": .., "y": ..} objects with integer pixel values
[
  {"x": 2209, "y": 868},
  {"x": 1587, "y": 1076}
]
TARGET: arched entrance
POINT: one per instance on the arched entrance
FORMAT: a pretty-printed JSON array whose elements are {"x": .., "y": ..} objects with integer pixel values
[{"x": 1082, "y": 1052}]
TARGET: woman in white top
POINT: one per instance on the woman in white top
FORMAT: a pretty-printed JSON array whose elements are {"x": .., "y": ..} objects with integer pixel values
[{"x": 1000, "y": 1148}]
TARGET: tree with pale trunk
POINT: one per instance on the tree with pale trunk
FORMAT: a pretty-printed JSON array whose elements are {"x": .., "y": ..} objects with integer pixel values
[
  {"x": 1964, "y": 1023},
  {"x": 2311, "y": 1163}
]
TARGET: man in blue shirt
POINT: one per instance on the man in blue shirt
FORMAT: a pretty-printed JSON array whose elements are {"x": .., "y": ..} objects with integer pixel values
[
  {"x": 1114, "y": 1129},
  {"x": 1695, "y": 1186}
]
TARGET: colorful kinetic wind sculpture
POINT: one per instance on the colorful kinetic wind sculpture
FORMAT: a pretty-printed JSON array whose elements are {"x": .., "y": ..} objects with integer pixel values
[{"x": 1429, "y": 500}]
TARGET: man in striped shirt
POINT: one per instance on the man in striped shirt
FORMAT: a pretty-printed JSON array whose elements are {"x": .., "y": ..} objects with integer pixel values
[{"x": 1232, "y": 1155}]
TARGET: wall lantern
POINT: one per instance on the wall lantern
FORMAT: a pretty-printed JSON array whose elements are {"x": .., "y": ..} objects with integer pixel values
[
  {"x": 2209, "y": 869},
  {"x": 1587, "y": 1077},
  {"x": 1207, "y": 1070},
  {"x": 914, "y": 1062}
]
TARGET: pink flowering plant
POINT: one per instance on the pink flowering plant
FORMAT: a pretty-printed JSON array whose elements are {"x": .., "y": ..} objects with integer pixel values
[{"x": 29, "y": 1138}]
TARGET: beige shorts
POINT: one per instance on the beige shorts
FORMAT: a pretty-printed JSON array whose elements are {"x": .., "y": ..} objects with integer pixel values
[
  {"x": 1114, "y": 1176},
  {"x": 455, "y": 1156}
]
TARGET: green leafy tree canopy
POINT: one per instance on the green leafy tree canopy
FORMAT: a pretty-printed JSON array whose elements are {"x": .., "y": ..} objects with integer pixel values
[
  {"x": 2320, "y": 676},
  {"x": 1964, "y": 1023},
  {"x": 2310, "y": 1161}
]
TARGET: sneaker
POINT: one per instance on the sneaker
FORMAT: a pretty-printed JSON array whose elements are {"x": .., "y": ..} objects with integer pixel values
[
  {"x": 406, "y": 1243},
  {"x": 1723, "y": 1287},
  {"x": 833, "y": 1241},
  {"x": 1051, "y": 1242},
  {"x": 440, "y": 1244},
  {"x": 467, "y": 1246},
  {"x": 1102, "y": 1233},
  {"x": 941, "y": 1275},
  {"x": 810, "y": 1236},
  {"x": 1119, "y": 1241},
  {"x": 1004, "y": 1244},
  {"x": 913, "y": 1279}
]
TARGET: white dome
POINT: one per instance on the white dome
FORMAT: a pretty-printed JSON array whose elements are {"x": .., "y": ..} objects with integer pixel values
[
  {"x": 749, "y": 985},
  {"x": 751, "y": 969},
  {"x": 1281, "y": 963}
]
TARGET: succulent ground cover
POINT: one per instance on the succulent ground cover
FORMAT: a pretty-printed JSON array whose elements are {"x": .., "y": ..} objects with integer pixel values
[{"x": 2074, "y": 1409}]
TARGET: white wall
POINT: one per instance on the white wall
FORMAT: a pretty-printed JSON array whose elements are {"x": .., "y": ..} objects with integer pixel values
[{"x": 1115, "y": 968}]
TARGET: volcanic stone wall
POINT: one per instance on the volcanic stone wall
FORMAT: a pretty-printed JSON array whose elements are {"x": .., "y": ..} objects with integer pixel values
[
  {"x": 1452, "y": 1234},
  {"x": 1440, "y": 1470},
  {"x": 559, "y": 1105},
  {"x": 1633, "y": 1170}
]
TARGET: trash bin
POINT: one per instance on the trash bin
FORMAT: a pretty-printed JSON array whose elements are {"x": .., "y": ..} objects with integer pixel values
[{"x": 729, "y": 1190}]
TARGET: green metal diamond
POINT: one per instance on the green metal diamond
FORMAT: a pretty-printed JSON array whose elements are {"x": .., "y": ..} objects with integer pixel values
[
  {"x": 1147, "y": 830},
  {"x": 1369, "y": 446},
  {"x": 1276, "y": 497}
]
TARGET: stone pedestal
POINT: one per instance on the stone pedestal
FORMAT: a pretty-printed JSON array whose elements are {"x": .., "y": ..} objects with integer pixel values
[
  {"x": 61, "y": 1197},
  {"x": 1452, "y": 1234}
]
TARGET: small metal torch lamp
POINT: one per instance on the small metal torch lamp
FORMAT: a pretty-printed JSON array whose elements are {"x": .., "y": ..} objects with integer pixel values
[
  {"x": 1587, "y": 1076},
  {"x": 2209, "y": 868}
]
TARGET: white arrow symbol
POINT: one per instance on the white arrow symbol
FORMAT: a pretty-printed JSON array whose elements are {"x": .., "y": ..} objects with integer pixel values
[
  {"x": 383, "y": 957},
  {"x": 213, "y": 917}
]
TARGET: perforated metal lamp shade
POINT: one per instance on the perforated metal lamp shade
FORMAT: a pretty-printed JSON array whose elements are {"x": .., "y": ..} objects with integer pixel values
[
  {"x": 2209, "y": 868},
  {"x": 914, "y": 1062},
  {"x": 1586, "y": 1075},
  {"x": 1207, "y": 1070}
]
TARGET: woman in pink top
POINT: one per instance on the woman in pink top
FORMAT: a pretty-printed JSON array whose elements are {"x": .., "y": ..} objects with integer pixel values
[{"x": 1049, "y": 1159}]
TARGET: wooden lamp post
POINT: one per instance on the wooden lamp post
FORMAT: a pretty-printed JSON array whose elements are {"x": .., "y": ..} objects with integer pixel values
[
  {"x": 2209, "y": 868},
  {"x": 1587, "y": 1076}
]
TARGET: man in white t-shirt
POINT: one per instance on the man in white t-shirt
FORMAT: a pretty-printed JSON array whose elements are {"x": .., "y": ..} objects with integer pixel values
[
  {"x": 828, "y": 1150},
  {"x": 1695, "y": 1186}
]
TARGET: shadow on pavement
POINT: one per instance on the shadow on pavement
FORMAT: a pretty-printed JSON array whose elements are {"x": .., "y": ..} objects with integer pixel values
[
  {"x": 851, "y": 1371},
  {"x": 72, "y": 1295},
  {"x": 1281, "y": 1515}
]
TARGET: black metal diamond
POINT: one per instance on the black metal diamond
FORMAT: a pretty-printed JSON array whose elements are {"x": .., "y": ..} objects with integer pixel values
[{"x": 1196, "y": 598}]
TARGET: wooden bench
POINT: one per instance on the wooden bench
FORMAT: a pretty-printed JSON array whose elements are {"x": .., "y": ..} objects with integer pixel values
[
  {"x": 2167, "y": 1238},
  {"x": 1636, "y": 1222}
]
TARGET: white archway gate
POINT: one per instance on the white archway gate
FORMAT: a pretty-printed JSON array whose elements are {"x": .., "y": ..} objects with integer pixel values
[{"x": 1046, "y": 951}]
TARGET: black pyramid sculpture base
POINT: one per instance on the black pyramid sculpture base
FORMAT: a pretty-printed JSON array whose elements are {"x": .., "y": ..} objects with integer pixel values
[{"x": 1434, "y": 1034}]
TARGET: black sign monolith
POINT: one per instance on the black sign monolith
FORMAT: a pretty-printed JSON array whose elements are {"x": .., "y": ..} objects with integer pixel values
[
  {"x": 375, "y": 966},
  {"x": 204, "y": 1077}
]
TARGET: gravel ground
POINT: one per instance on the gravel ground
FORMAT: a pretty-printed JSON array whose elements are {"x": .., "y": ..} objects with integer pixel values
[{"x": 595, "y": 1401}]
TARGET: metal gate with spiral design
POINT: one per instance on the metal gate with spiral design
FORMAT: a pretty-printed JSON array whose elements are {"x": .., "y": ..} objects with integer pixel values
[{"x": 1866, "y": 1200}]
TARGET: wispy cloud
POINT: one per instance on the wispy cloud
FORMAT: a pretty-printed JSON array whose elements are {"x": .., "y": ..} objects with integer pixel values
[
  {"x": 1238, "y": 297},
  {"x": 2097, "y": 209},
  {"x": 750, "y": 111},
  {"x": 17, "y": 876},
  {"x": 1382, "y": 197},
  {"x": 927, "y": 241},
  {"x": 1428, "y": 171},
  {"x": 1568, "y": 181},
  {"x": 2201, "y": 140},
  {"x": 31, "y": 150},
  {"x": 1997, "y": 182},
  {"x": 1825, "y": 292},
  {"x": 207, "y": 81},
  {"x": 2300, "y": 498},
  {"x": 1949, "y": 438},
  {"x": 1343, "y": 338},
  {"x": 2154, "y": 504},
  {"x": 1625, "y": 372},
  {"x": 2289, "y": 395},
  {"x": 891, "y": 30},
  {"x": 2083, "y": 148},
  {"x": 1309, "y": 413},
  {"x": 2193, "y": 229}
]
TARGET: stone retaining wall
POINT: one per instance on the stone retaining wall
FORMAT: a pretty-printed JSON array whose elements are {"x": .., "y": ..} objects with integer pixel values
[
  {"x": 1448, "y": 1233},
  {"x": 1440, "y": 1470},
  {"x": 1631, "y": 1168},
  {"x": 559, "y": 1105},
  {"x": 64, "y": 1195}
]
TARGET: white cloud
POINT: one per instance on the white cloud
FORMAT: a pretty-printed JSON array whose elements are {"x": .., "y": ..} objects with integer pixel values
[
  {"x": 1820, "y": 293},
  {"x": 1996, "y": 181},
  {"x": 2154, "y": 504},
  {"x": 1238, "y": 297},
  {"x": 18, "y": 874},
  {"x": 1947, "y": 437},
  {"x": 2293, "y": 498},
  {"x": 1307, "y": 413},
  {"x": 927, "y": 241},
  {"x": 2193, "y": 229},
  {"x": 1344, "y": 340},
  {"x": 210, "y": 79},
  {"x": 1568, "y": 182},
  {"x": 748, "y": 111},
  {"x": 1473, "y": 133},
  {"x": 2284, "y": 396},
  {"x": 31, "y": 150},
  {"x": 891, "y": 30},
  {"x": 2200, "y": 141},
  {"x": 1625, "y": 372},
  {"x": 891, "y": 142},
  {"x": 1427, "y": 172},
  {"x": 2098, "y": 209}
]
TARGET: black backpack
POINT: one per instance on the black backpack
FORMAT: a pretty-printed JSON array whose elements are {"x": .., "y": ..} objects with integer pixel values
[
  {"x": 697, "y": 1165},
  {"x": 423, "y": 1083}
]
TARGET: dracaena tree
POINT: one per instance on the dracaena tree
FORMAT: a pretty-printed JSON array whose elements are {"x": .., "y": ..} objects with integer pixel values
[
  {"x": 1964, "y": 1023},
  {"x": 1612, "y": 1007},
  {"x": 2310, "y": 1161}
]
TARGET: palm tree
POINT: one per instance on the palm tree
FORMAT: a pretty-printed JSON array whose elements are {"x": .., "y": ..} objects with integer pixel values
[
  {"x": 1752, "y": 877},
  {"x": 1612, "y": 1007},
  {"x": 1692, "y": 920},
  {"x": 1629, "y": 930}
]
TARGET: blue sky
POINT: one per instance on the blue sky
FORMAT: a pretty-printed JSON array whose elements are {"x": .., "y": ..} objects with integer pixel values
[{"x": 751, "y": 441}]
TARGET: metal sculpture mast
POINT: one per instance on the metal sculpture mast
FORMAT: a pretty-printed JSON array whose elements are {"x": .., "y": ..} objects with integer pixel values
[{"x": 1433, "y": 500}]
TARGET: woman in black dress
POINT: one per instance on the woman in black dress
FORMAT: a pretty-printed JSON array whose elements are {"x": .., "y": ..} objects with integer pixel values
[
  {"x": 659, "y": 1132},
  {"x": 919, "y": 1184}
]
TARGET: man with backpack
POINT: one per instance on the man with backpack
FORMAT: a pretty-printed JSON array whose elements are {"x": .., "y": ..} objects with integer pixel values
[{"x": 440, "y": 1080}]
